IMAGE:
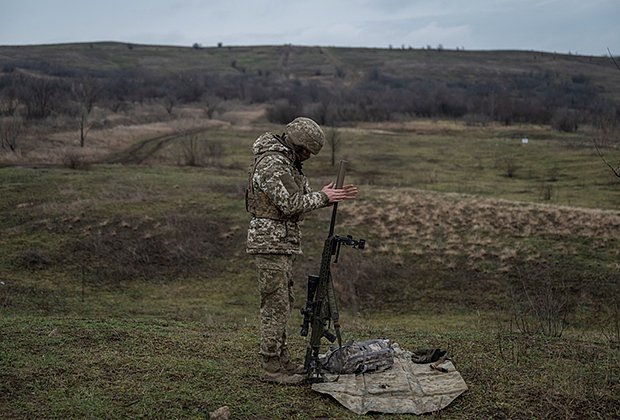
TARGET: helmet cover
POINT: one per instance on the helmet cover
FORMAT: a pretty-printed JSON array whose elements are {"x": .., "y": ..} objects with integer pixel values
[{"x": 307, "y": 133}]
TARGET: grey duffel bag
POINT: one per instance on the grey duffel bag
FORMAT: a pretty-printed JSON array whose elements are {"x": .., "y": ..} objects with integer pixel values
[{"x": 365, "y": 356}]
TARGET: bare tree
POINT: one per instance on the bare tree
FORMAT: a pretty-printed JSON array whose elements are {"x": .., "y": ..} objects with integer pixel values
[
  {"x": 8, "y": 101},
  {"x": 85, "y": 127},
  {"x": 170, "y": 101},
  {"x": 212, "y": 105},
  {"x": 11, "y": 128},
  {"x": 37, "y": 94},
  {"x": 86, "y": 92},
  {"x": 616, "y": 171},
  {"x": 323, "y": 111}
]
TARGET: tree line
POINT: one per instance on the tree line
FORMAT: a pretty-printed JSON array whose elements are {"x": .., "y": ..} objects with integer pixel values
[{"x": 37, "y": 90}]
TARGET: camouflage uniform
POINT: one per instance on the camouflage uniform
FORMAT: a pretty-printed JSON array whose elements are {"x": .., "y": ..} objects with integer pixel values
[{"x": 278, "y": 194}]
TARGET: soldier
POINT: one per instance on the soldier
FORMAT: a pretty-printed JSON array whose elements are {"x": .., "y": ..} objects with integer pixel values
[{"x": 277, "y": 196}]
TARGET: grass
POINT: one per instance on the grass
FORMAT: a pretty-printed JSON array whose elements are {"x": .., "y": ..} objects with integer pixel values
[
  {"x": 126, "y": 367},
  {"x": 125, "y": 290}
]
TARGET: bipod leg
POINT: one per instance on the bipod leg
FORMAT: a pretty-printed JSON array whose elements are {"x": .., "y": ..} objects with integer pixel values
[{"x": 315, "y": 373}]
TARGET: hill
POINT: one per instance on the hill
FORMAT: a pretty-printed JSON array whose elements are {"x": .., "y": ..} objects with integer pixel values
[
  {"x": 309, "y": 62},
  {"x": 331, "y": 84}
]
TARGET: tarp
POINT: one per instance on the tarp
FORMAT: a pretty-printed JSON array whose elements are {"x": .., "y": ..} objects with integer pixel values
[{"x": 407, "y": 387}]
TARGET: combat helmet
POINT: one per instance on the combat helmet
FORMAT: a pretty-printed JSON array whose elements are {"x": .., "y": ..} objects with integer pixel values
[{"x": 305, "y": 132}]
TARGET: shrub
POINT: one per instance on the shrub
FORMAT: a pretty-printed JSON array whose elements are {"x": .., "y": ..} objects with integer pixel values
[
  {"x": 193, "y": 153},
  {"x": 509, "y": 165},
  {"x": 32, "y": 259},
  {"x": 201, "y": 152},
  {"x": 75, "y": 161},
  {"x": 546, "y": 191},
  {"x": 565, "y": 119},
  {"x": 541, "y": 301}
]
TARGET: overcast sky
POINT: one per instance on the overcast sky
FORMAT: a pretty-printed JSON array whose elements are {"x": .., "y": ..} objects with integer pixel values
[{"x": 578, "y": 26}]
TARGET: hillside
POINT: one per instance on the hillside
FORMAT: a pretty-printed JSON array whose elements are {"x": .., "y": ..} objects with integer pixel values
[
  {"x": 321, "y": 63},
  {"x": 333, "y": 85}
]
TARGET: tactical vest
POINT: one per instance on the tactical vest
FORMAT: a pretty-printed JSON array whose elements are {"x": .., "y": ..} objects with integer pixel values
[{"x": 257, "y": 202}]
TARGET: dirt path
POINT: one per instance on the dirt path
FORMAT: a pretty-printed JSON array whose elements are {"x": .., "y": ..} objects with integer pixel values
[{"x": 139, "y": 152}]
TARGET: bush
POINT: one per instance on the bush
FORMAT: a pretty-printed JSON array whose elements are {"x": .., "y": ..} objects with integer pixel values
[
  {"x": 32, "y": 259},
  {"x": 75, "y": 161},
  {"x": 565, "y": 119},
  {"x": 201, "y": 152},
  {"x": 546, "y": 191},
  {"x": 509, "y": 165},
  {"x": 193, "y": 152},
  {"x": 541, "y": 301}
]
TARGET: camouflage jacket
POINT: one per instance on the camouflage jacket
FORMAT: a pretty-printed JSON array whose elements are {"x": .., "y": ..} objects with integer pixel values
[{"x": 277, "y": 196}]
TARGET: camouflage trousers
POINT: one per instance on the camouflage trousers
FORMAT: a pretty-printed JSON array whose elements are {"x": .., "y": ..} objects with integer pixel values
[{"x": 275, "y": 284}]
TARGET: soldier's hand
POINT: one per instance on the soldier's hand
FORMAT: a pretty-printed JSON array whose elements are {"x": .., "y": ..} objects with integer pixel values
[{"x": 348, "y": 192}]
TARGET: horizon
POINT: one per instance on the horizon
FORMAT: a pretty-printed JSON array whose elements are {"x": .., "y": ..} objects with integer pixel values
[
  {"x": 559, "y": 26},
  {"x": 389, "y": 47}
]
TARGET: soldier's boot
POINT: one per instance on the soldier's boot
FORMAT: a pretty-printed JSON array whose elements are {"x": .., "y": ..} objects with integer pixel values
[
  {"x": 274, "y": 372},
  {"x": 288, "y": 365}
]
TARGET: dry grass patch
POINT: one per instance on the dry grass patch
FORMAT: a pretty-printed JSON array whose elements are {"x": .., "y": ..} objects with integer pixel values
[{"x": 440, "y": 225}]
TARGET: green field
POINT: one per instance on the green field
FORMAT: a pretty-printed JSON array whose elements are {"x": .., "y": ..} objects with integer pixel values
[{"x": 126, "y": 292}]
